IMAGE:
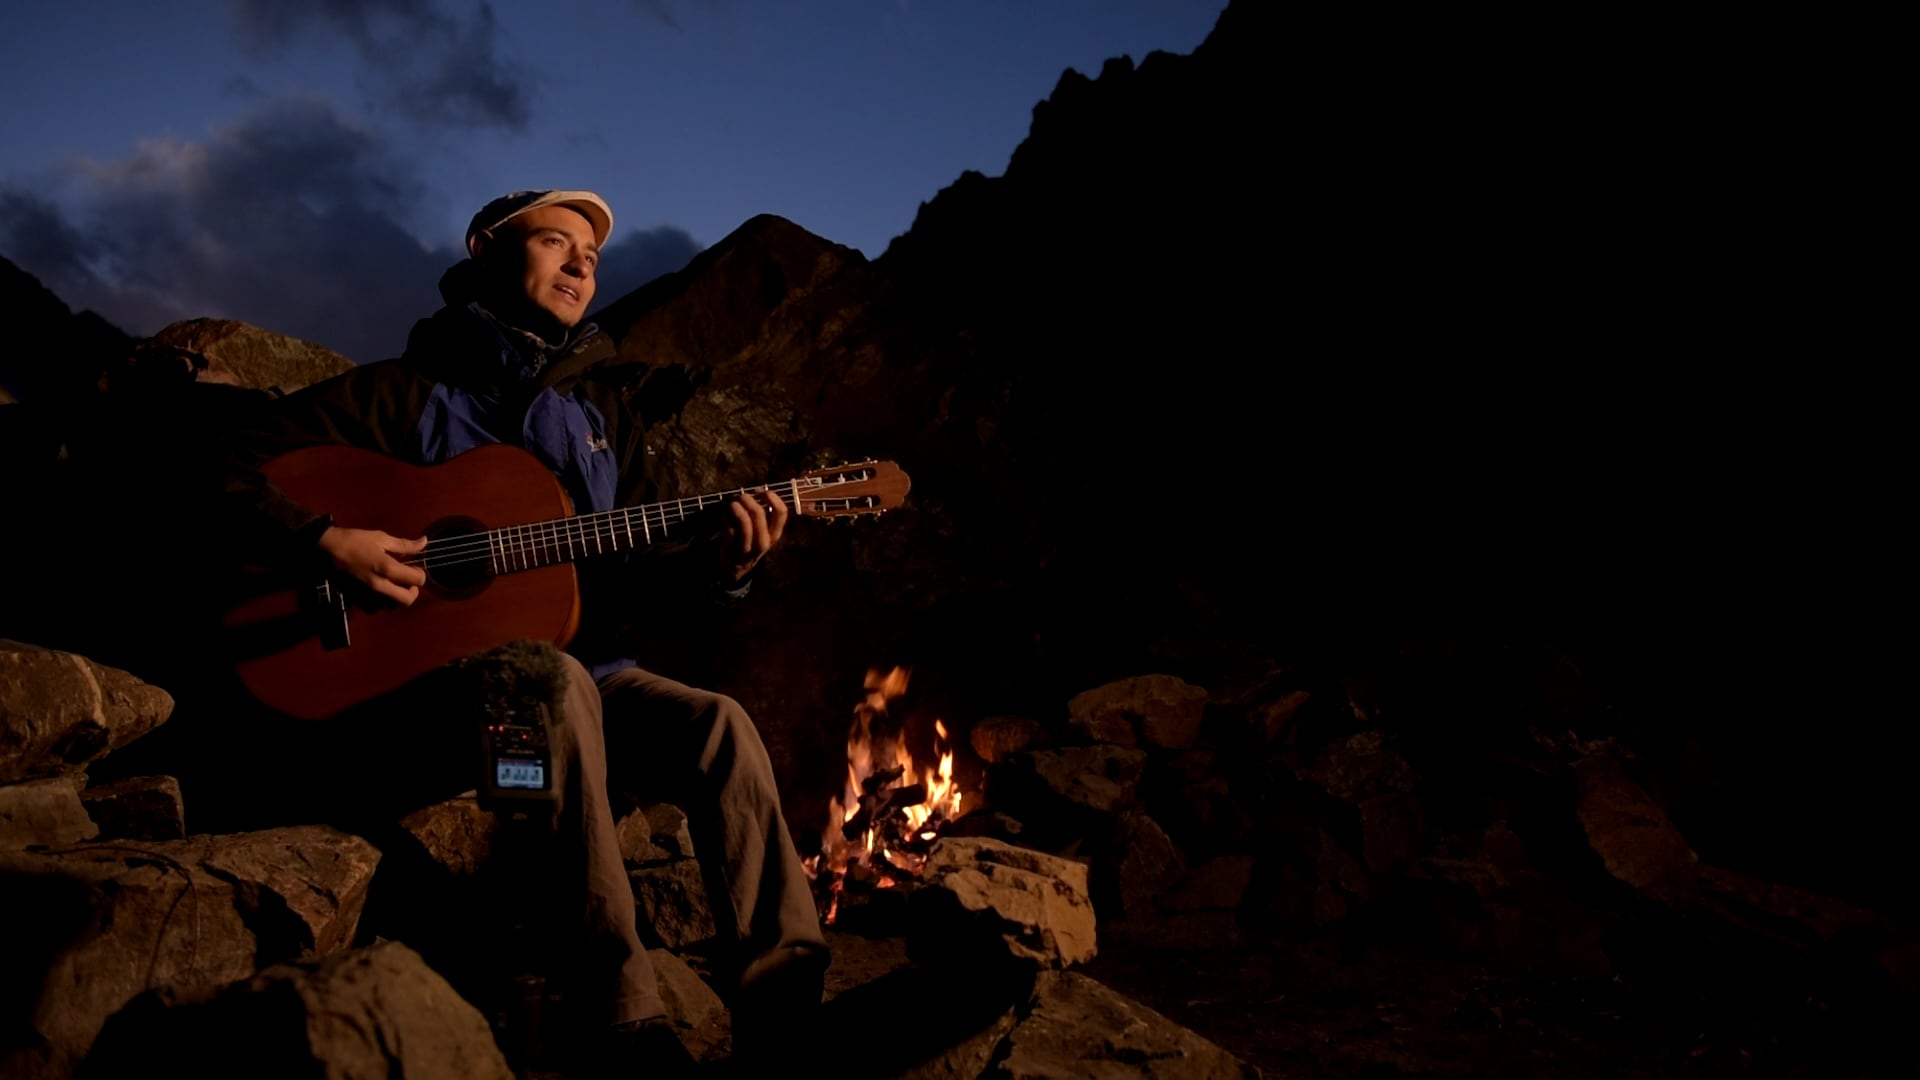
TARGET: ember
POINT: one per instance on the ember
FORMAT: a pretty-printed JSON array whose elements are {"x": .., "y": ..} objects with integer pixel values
[{"x": 879, "y": 830}]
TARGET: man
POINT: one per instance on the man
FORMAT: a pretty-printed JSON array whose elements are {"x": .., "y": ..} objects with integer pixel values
[{"x": 510, "y": 359}]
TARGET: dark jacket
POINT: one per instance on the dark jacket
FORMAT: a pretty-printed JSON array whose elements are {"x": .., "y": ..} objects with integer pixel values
[{"x": 466, "y": 380}]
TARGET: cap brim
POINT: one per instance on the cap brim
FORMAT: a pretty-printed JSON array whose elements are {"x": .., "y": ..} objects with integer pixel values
[{"x": 588, "y": 205}]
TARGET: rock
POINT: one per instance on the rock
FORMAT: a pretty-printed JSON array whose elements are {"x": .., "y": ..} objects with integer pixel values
[
  {"x": 991, "y": 823},
  {"x": 138, "y": 808},
  {"x": 1490, "y": 903},
  {"x": 917, "y": 1023},
  {"x": 1219, "y": 884},
  {"x": 237, "y": 354},
  {"x": 1782, "y": 913},
  {"x": 373, "y": 1012},
  {"x": 112, "y": 920},
  {"x": 636, "y": 841},
  {"x": 1160, "y": 710},
  {"x": 670, "y": 832},
  {"x": 698, "y": 1015},
  {"x": 456, "y": 833},
  {"x": 1113, "y": 727},
  {"x": 1307, "y": 880},
  {"x": 1077, "y": 1026},
  {"x": 59, "y": 710},
  {"x": 1098, "y": 778},
  {"x": 1631, "y": 833},
  {"x": 1392, "y": 827},
  {"x": 1360, "y": 766},
  {"x": 43, "y": 813},
  {"x": 990, "y": 905},
  {"x": 1205, "y": 815},
  {"x": 997, "y": 737},
  {"x": 1273, "y": 718},
  {"x": 971, "y": 1056},
  {"x": 1139, "y": 863},
  {"x": 673, "y": 908}
]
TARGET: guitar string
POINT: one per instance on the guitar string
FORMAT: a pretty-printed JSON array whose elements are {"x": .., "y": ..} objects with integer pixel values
[
  {"x": 546, "y": 538},
  {"x": 585, "y": 528},
  {"x": 600, "y": 528}
]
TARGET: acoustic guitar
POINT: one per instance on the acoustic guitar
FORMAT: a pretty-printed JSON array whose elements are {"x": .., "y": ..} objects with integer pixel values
[{"x": 502, "y": 538}]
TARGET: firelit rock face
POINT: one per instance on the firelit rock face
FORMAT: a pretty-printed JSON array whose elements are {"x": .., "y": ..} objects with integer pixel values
[
  {"x": 138, "y": 808},
  {"x": 1077, "y": 1026},
  {"x": 96, "y": 924},
  {"x": 673, "y": 907},
  {"x": 1157, "y": 710},
  {"x": 45, "y": 813},
  {"x": 987, "y": 903},
  {"x": 377, "y": 1011},
  {"x": 1101, "y": 778},
  {"x": 698, "y": 1015},
  {"x": 996, "y": 737},
  {"x": 455, "y": 833},
  {"x": 59, "y": 710},
  {"x": 1631, "y": 833}
]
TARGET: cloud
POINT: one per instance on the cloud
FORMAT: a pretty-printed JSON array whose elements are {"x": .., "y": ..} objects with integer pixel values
[
  {"x": 668, "y": 13},
  {"x": 660, "y": 10},
  {"x": 638, "y": 257},
  {"x": 420, "y": 61},
  {"x": 239, "y": 86},
  {"x": 290, "y": 219}
]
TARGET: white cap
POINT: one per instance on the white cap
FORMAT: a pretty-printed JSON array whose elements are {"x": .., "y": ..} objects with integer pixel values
[{"x": 507, "y": 207}]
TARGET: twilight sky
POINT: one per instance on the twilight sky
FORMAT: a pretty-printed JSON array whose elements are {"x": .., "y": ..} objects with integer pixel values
[{"x": 310, "y": 167}]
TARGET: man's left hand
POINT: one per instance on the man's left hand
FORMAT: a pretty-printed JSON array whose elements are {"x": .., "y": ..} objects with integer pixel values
[{"x": 758, "y": 520}]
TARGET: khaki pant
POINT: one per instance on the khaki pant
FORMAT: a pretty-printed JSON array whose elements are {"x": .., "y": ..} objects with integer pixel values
[
  {"x": 664, "y": 741},
  {"x": 699, "y": 751}
]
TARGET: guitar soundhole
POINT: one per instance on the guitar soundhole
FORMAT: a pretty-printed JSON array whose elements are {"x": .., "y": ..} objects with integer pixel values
[{"x": 457, "y": 562}]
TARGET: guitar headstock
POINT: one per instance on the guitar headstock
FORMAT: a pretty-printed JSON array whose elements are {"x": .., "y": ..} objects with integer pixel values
[{"x": 867, "y": 487}]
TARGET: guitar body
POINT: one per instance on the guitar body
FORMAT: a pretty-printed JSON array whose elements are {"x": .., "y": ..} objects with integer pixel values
[
  {"x": 276, "y": 629},
  {"x": 502, "y": 540}
]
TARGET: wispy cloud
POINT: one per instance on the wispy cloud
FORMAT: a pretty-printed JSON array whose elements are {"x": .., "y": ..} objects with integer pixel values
[
  {"x": 293, "y": 219},
  {"x": 660, "y": 10},
  {"x": 289, "y": 219},
  {"x": 419, "y": 60}
]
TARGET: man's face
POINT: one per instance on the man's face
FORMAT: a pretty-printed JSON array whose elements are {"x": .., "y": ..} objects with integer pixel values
[{"x": 557, "y": 258}]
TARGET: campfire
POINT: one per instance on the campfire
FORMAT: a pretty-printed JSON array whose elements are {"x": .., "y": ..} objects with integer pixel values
[{"x": 892, "y": 809}]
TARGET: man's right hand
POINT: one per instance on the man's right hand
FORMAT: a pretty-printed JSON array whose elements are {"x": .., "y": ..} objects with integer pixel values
[{"x": 369, "y": 556}]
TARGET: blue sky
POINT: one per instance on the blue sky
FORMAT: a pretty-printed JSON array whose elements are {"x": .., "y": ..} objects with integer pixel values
[{"x": 310, "y": 167}]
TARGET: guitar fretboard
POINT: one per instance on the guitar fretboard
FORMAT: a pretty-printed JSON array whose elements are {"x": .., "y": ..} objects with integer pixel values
[
  {"x": 842, "y": 491},
  {"x": 544, "y": 543}
]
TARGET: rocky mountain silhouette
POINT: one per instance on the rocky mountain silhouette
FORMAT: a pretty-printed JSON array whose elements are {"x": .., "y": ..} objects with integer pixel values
[{"x": 1398, "y": 366}]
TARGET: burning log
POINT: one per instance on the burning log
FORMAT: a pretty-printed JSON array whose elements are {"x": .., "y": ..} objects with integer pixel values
[
  {"x": 878, "y": 835},
  {"x": 881, "y": 806}
]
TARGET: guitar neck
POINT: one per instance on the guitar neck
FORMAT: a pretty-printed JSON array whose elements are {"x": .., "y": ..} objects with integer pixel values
[{"x": 569, "y": 539}]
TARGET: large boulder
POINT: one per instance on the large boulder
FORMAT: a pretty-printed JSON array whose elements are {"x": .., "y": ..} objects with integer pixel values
[
  {"x": 60, "y": 710},
  {"x": 985, "y": 905},
  {"x": 95, "y": 924},
  {"x": 1161, "y": 711},
  {"x": 138, "y": 808},
  {"x": 1631, "y": 832},
  {"x": 43, "y": 813},
  {"x": 1076, "y": 1026},
  {"x": 378, "y": 1011}
]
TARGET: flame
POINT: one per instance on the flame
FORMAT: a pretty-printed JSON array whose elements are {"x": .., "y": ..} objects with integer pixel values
[{"x": 870, "y": 751}]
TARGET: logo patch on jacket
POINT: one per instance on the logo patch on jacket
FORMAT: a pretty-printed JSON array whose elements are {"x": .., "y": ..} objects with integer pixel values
[{"x": 595, "y": 443}]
